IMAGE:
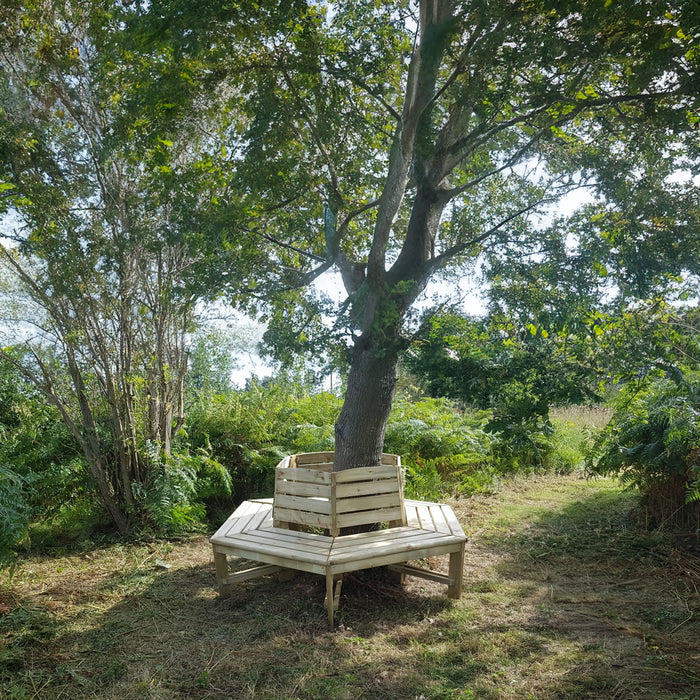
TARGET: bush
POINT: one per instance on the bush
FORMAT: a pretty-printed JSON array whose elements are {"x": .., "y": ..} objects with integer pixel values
[
  {"x": 652, "y": 443},
  {"x": 14, "y": 515},
  {"x": 171, "y": 497},
  {"x": 444, "y": 450},
  {"x": 250, "y": 431}
]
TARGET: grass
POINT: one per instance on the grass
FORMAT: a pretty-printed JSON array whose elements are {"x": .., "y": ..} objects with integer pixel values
[
  {"x": 585, "y": 416},
  {"x": 563, "y": 599}
]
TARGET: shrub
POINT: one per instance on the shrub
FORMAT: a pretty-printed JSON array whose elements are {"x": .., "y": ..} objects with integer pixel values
[
  {"x": 444, "y": 450},
  {"x": 171, "y": 497},
  {"x": 14, "y": 515},
  {"x": 652, "y": 443}
]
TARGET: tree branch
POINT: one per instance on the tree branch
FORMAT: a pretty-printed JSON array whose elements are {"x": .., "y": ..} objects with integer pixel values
[{"x": 441, "y": 260}]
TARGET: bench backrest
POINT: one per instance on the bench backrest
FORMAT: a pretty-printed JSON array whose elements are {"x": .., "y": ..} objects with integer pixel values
[{"x": 308, "y": 492}]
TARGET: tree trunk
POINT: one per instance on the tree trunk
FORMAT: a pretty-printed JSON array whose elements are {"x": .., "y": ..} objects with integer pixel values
[
  {"x": 106, "y": 492},
  {"x": 359, "y": 432}
]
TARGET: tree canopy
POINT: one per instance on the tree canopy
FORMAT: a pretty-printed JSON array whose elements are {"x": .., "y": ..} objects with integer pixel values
[{"x": 396, "y": 141}]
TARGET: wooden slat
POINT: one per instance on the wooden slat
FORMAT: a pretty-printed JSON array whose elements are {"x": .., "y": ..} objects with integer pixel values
[
  {"x": 428, "y": 574},
  {"x": 369, "y": 550},
  {"x": 314, "y": 566},
  {"x": 254, "y": 572},
  {"x": 365, "y": 474},
  {"x": 411, "y": 515},
  {"x": 321, "y": 466},
  {"x": 452, "y": 521},
  {"x": 368, "y": 517},
  {"x": 290, "y": 549},
  {"x": 365, "y": 488},
  {"x": 426, "y": 521},
  {"x": 363, "y": 503},
  {"x": 361, "y": 539},
  {"x": 315, "y": 457},
  {"x": 263, "y": 515},
  {"x": 300, "y": 517},
  {"x": 319, "y": 457},
  {"x": 304, "y": 540},
  {"x": 299, "y": 474},
  {"x": 441, "y": 524},
  {"x": 310, "y": 505},
  {"x": 388, "y": 557},
  {"x": 242, "y": 522},
  {"x": 302, "y": 488}
]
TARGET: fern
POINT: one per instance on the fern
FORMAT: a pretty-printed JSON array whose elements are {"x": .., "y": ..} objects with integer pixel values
[
  {"x": 652, "y": 443},
  {"x": 170, "y": 496},
  {"x": 14, "y": 515}
]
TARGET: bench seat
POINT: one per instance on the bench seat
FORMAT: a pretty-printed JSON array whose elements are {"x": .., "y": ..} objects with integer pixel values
[{"x": 255, "y": 532}]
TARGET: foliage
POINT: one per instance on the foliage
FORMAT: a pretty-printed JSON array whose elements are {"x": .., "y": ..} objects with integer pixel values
[
  {"x": 653, "y": 442},
  {"x": 14, "y": 514},
  {"x": 168, "y": 497},
  {"x": 250, "y": 431},
  {"x": 91, "y": 247},
  {"x": 443, "y": 450},
  {"x": 330, "y": 153},
  {"x": 472, "y": 359}
]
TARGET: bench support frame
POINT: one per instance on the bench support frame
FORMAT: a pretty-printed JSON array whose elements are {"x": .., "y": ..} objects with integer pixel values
[{"x": 301, "y": 528}]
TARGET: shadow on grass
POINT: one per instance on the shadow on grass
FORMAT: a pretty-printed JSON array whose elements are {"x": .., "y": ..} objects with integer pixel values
[{"x": 570, "y": 603}]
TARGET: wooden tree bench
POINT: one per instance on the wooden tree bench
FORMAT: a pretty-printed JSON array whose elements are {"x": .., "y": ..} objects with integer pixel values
[{"x": 304, "y": 527}]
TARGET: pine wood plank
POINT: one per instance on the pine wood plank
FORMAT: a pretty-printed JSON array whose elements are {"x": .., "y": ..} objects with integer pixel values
[
  {"x": 387, "y": 558},
  {"x": 300, "y": 517},
  {"x": 368, "y": 517},
  {"x": 360, "y": 503},
  {"x": 254, "y": 572},
  {"x": 366, "y": 488},
  {"x": 411, "y": 515},
  {"x": 299, "y": 474},
  {"x": 221, "y": 565},
  {"x": 379, "y": 547},
  {"x": 301, "y": 503},
  {"x": 360, "y": 539},
  {"x": 248, "y": 513},
  {"x": 454, "y": 590},
  {"x": 428, "y": 574},
  {"x": 439, "y": 521},
  {"x": 315, "y": 457},
  {"x": 366, "y": 474},
  {"x": 264, "y": 515},
  {"x": 303, "y": 488},
  {"x": 452, "y": 521},
  {"x": 290, "y": 551},
  {"x": 284, "y": 561},
  {"x": 426, "y": 521},
  {"x": 299, "y": 540}
]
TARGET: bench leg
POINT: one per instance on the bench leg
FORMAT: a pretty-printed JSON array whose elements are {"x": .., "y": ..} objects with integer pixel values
[
  {"x": 221, "y": 565},
  {"x": 454, "y": 589},
  {"x": 333, "y": 585},
  {"x": 398, "y": 577}
]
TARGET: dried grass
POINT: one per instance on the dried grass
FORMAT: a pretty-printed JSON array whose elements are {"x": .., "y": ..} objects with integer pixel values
[
  {"x": 563, "y": 599},
  {"x": 583, "y": 416}
]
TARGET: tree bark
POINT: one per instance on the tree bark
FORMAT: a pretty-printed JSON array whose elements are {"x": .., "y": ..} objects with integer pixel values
[{"x": 361, "y": 426}]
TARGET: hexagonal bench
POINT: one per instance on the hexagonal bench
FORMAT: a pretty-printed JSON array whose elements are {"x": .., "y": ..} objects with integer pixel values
[{"x": 303, "y": 527}]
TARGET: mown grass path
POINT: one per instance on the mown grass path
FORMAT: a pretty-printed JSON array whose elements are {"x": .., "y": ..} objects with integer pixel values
[{"x": 564, "y": 598}]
